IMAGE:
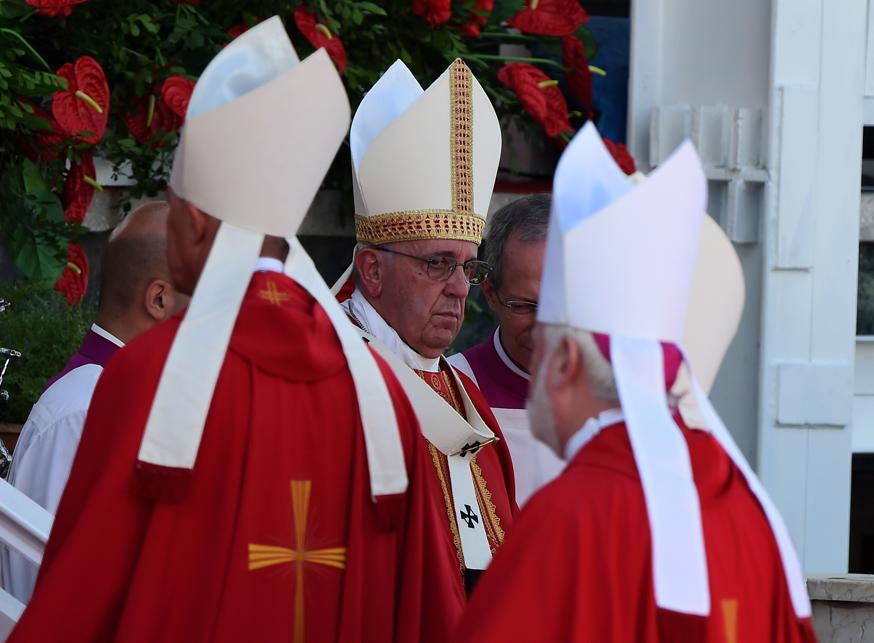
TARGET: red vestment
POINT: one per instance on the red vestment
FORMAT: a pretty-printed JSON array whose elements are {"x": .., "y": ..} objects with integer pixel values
[
  {"x": 278, "y": 538},
  {"x": 578, "y": 566}
]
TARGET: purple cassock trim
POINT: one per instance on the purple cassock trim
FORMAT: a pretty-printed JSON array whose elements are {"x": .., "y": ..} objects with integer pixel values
[
  {"x": 502, "y": 388},
  {"x": 94, "y": 350}
]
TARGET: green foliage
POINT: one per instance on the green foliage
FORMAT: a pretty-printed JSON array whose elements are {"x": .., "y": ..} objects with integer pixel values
[
  {"x": 140, "y": 43},
  {"x": 47, "y": 332}
]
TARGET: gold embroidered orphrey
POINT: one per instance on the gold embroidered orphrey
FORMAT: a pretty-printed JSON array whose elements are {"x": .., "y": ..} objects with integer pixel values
[
  {"x": 458, "y": 223},
  {"x": 261, "y": 556},
  {"x": 272, "y": 294}
]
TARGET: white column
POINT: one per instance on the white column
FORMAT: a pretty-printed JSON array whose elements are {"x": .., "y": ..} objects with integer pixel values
[{"x": 811, "y": 237}]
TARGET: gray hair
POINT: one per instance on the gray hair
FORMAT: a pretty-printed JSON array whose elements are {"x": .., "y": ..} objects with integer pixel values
[{"x": 528, "y": 217}]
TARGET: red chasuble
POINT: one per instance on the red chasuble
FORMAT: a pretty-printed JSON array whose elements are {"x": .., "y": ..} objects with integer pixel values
[
  {"x": 278, "y": 538},
  {"x": 578, "y": 565}
]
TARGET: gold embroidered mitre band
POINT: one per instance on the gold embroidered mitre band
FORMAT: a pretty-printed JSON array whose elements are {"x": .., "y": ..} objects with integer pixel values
[{"x": 429, "y": 174}]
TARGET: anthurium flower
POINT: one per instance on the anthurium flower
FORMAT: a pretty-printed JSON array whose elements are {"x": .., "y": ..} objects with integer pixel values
[
  {"x": 478, "y": 17},
  {"x": 578, "y": 75},
  {"x": 84, "y": 105},
  {"x": 150, "y": 119},
  {"x": 434, "y": 12},
  {"x": 549, "y": 17},
  {"x": 79, "y": 189},
  {"x": 320, "y": 36},
  {"x": 622, "y": 156},
  {"x": 540, "y": 96},
  {"x": 74, "y": 279},
  {"x": 176, "y": 92},
  {"x": 54, "y": 8}
]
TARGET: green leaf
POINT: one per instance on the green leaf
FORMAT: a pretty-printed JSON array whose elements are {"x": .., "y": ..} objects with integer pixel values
[
  {"x": 13, "y": 9},
  {"x": 371, "y": 8},
  {"x": 504, "y": 10},
  {"x": 34, "y": 183},
  {"x": 589, "y": 42},
  {"x": 39, "y": 257}
]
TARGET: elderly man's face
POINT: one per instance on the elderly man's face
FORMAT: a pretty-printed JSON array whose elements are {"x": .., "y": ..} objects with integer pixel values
[
  {"x": 427, "y": 314},
  {"x": 521, "y": 268}
]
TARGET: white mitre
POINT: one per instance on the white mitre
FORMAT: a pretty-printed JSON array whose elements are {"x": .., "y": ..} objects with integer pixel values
[
  {"x": 428, "y": 172},
  {"x": 620, "y": 261},
  {"x": 261, "y": 131}
]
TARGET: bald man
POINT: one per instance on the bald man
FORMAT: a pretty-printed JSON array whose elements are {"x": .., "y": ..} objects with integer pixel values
[{"x": 136, "y": 292}]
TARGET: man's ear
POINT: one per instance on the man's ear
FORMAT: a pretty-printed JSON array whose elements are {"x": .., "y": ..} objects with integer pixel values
[
  {"x": 565, "y": 365},
  {"x": 370, "y": 271},
  {"x": 488, "y": 288},
  {"x": 197, "y": 223},
  {"x": 159, "y": 300}
]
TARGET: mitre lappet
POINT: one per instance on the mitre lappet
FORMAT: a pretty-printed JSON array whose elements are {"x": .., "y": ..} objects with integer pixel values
[
  {"x": 252, "y": 111},
  {"x": 620, "y": 261}
]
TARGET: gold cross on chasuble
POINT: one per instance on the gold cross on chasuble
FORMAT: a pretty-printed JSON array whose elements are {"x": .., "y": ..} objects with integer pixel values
[
  {"x": 267, "y": 555},
  {"x": 272, "y": 294}
]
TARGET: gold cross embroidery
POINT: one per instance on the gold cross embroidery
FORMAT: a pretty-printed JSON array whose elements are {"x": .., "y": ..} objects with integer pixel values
[
  {"x": 273, "y": 294},
  {"x": 729, "y": 618},
  {"x": 267, "y": 555}
]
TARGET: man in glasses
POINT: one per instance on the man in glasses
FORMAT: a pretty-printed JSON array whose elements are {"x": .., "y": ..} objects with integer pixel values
[
  {"x": 424, "y": 165},
  {"x": 514, "y": 243}
]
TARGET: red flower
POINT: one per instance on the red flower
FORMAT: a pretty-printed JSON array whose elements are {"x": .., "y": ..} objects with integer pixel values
[
  {"x": 176, "y": 92},
  {"x": 622, "y": 156},
  {"x": 74, "y": 279},
  {"x": 54, "y": 8},
  {"x": 478, "y": 17},
  {"x": 79, "y": 190},
  {"x": 84, "y": 105},
  {"x": 150, "y": 121},
  {"x": 238, "y": 30},
  {"x": 320, "y": 36},
  {"x": 549, "y": 17},
  {"x": 433, "y": 11},
  {"x": 539, "y": 94},
  {"x": 46, "y": 143},
  {"x": 578, "y": 76}
]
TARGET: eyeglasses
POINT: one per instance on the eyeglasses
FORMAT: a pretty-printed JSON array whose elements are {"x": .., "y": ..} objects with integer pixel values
[
  {"x": 442, "y": 268},
  {"x": 518, "y": 306}
]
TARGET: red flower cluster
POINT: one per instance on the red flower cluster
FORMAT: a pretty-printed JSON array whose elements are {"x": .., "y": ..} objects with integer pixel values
[
  {"x": 478, "y": 17},
  {"x": 320, "y": 36},
  {"x": 54, "y": 8},
  {"x": 150, "y": 120},
  {"x": 79, "y": 189},
  {"x": 578, "y": 76},
  {"x": 622, "y": 156},
  {"x": 74, "y": 279},
  {"x": 83, "y": 108},
  {"x": 549, "y": 17},
  {"x": 153, "y": 117},
  {"x": 176, "y": 92},
  {"x": 540, "y": 96},
  {"x": 434, "y": 12}
]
